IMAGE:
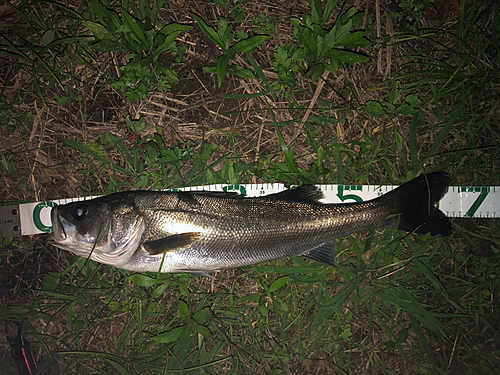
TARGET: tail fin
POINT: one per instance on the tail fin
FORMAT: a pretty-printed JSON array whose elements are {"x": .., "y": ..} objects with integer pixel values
[{"x": 415, "y": 201}]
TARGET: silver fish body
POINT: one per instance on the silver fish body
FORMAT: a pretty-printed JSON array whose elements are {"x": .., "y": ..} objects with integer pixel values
[{"x": 200, "y": 232}]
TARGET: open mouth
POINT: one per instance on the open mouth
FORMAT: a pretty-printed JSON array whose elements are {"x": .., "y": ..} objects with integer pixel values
[
  {"x": 61, "y": 227},
  {"x": 57, "y": 226}
]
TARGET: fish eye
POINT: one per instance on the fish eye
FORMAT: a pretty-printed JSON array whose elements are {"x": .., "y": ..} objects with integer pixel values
[{"x": 80, "y": 212}]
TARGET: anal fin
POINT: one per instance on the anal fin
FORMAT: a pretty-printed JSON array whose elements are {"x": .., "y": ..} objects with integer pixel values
[{"x": 324, "y": 254}]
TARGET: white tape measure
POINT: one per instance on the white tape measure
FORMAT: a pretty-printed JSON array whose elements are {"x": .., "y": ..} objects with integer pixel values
[{"x": 459, "y": 201}]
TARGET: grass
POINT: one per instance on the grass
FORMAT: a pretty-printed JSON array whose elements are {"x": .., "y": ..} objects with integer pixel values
[{"x": 396, "y": 303}]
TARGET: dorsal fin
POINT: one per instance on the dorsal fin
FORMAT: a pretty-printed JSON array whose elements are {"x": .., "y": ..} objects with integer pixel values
[
  {"x": 305, "y": 192},
  {"x": 217, "y": 194}
]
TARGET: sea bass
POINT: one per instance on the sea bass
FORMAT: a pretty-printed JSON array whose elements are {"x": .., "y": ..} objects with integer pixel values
[{"x": 203, "y": 232}]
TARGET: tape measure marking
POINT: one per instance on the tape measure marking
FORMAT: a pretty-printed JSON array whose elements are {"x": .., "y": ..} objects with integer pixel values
[{"x": 460, "y": 201}]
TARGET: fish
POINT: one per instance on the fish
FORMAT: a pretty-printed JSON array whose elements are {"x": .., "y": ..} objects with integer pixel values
[{"x": 204, "y": 232}]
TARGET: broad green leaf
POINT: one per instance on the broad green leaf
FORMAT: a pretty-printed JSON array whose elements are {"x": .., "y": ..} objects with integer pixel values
[
  {"x": 183, "y": 310},
  {"x": 175, "y": 28},
  {"x": 403, "y": 335},
  {"x": 159, "y": 290},
  {"x": 118, "y": 367},
  {"x": 106, "y": 45},
  {"x": 48, "y": 36},
  {"x": 155, "y": 11},
  {"x": 329, "y": 41},
  {"x": 319, "y": 46},
  {"x": 170, "y": 336},
  {"x": 50, "y": 281},
  {"x": 345, "y": 56},
  {"x": 395, "y": 94},
  {"x": 309, "y": 40},
  {"x": 290, "y": 160},
  {"x": 342, "y": 31},
  {"x": 171, "y": 32},
  {"x": 208, "y": 30},
  {"x": 210, "y": 69},
  {"x": 316, "y": 71},
  {"x": 398, "y": 141},
  {"x": 374, "y": 108},
  {"x": 249, "y": 44},
  {"x": 204, "y": 331},
  {"x": 277, "y": 284},
  {"x": 107, "y": 16},
  {"x": 330, "y": 5},
  {"x": 201, "y": 315},
  {"x": 98, "y": 30},
  {"x": 406, "y": 109},
  {"x": 142, "y": 280},
  {"x": 133, "y": 24},
  {"x": 230, "y": 53},
  {"x": 316, "y": 11},
  {"x": 358, "y": 18},
  {"x": 222, "y": 64},
  {"x": 413, "y": 100},
  {"x": 228, "y": 37},
  {"x": 224, "y": 33},
  {"x": 355, "y": 39},
  {"x": 241, "y": 72},
  {"x": 165, "y": 46},
  {"x": 348, "y": 15},
  {"x": 296, "y": 22}
]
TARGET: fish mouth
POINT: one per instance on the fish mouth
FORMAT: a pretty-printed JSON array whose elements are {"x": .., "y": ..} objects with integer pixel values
[
  {"x": 64, "y": 233},
  {"x": 61, "y": 227}
]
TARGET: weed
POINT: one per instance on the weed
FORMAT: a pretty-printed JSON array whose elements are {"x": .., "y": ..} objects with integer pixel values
[
  {"x": 11, "y": 121},
  {"x": 319, "y": 48},
  {"x": 264, "y": 25},
  {"x": 237, "y": 12},
  {"x": 409, "y": 13},
  {"x": 142, "y": 35},
  {"x": 395, "y": 104},
  {"x": 464, "y": 68},
  {"x": 223, "y": 37},
  {"x": 47, "y": 39}
]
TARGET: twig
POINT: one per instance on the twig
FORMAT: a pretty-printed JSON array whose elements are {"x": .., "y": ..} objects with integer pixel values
[{"x": 314, "y": 99}]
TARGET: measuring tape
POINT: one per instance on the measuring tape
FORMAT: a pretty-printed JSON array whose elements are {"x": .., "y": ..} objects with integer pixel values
[{"x": 459, "y": 201}]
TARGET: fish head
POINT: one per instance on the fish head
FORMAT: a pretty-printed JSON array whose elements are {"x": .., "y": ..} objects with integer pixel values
[{"x": 102, "y": 229}]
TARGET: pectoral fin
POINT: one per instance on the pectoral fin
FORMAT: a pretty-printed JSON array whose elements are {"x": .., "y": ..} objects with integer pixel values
[{"x": 171, "y": 243}]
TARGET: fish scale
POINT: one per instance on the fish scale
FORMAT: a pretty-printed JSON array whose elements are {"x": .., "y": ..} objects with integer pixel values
[{"x": 200, "y": 232}]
